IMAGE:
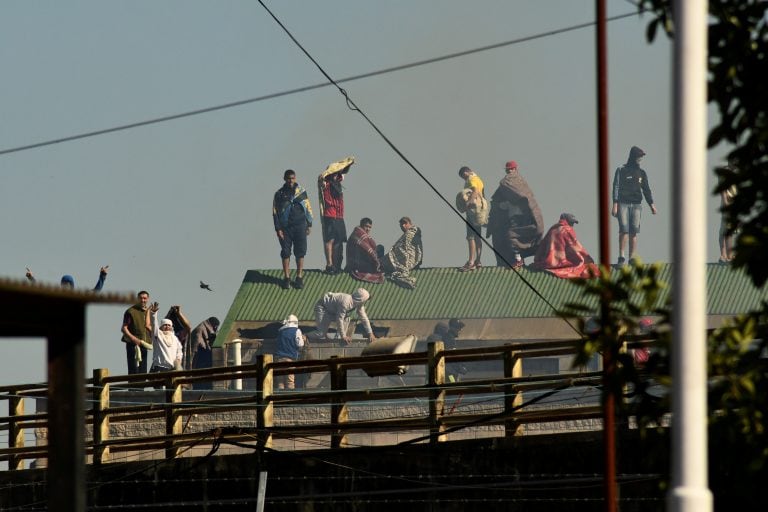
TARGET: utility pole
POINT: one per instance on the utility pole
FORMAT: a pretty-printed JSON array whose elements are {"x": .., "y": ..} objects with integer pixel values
[
  {"x": 689, "y": 491},
  {"x": 609, "y": 355}
]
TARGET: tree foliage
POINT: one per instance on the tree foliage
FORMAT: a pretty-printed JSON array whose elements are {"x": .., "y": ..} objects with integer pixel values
[
  {"x": 737, "y": 62},
  {"x": 738, "y": 350},
  {"x": 737, "y": 375},
  {"x": 628, "y": 295}
]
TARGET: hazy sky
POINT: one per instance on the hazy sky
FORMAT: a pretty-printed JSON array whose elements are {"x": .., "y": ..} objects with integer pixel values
[{"x": 173, "y": 203}]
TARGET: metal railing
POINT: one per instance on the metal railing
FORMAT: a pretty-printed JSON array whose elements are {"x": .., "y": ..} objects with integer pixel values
[{"x": 435, "y": 424}]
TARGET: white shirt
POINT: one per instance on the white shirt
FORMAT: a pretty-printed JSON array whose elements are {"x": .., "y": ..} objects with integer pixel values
[{"x": 163, "y": 353}]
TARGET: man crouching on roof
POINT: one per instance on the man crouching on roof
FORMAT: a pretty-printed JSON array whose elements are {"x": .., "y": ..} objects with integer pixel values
[{"x": 336, "y": 307}]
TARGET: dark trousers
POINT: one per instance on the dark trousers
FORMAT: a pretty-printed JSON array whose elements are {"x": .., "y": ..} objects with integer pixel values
[{"x": 130, "y": 358}]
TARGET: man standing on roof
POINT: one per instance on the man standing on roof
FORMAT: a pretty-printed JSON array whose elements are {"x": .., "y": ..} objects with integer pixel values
[
  {"x": 630, "y": 185},
  {"x": 515, "y": 222},
  {"x": 335, "y": 307},
  {"x": 332, "y": 213},
  {"x": 292, "y": 216},
  {"x": 472, "y": 201}
]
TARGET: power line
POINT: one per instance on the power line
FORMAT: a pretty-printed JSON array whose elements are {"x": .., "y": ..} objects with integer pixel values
[
  {"x": 352, "y": 106},
  {"x": 240, "y": 103}
]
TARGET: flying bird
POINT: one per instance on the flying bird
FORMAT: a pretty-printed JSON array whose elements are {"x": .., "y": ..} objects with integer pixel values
[{"x": 205, "y": 286}]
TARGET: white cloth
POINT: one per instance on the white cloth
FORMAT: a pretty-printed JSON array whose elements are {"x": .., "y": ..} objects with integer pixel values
[
  {"x": 336, "y": 307},
  {"x": 167, "y": 348},
  {"x": 291, "y": 321}
]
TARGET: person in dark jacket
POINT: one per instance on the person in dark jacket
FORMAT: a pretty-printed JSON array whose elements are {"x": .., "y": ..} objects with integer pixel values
[
  {"x": 200, "y": 344},
  {"x": 292, "y": 216},
  {"x": 447, "y": 333},
  {"x": 289, "y": 343},
  {"x": 630, "y": 185}
]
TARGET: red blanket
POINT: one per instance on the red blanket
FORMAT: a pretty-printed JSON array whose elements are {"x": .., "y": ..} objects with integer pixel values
[
  {"x": 362, "y": 262},
  {"x": 563, "y": 255}
]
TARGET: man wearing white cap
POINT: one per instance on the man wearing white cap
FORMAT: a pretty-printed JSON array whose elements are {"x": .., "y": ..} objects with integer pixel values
[
  {"x": 336, "y": 307},
  {"x": 289, "y": 341},
  {"x": 166, "y": 347}
]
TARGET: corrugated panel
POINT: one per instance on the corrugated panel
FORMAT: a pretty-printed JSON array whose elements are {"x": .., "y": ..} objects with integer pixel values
[
  {"x": 440, "y": 292},
  {"x": 731, "y": 291},
  {"x": 491, "y": 292}
]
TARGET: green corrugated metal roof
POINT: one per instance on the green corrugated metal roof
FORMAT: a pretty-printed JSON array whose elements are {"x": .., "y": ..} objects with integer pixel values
[{"x": 491, "y": 292}]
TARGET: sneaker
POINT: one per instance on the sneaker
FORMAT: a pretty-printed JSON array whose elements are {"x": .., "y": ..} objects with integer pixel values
[
  {"x": 621, "y": 260},
  {"x": 286, "y": 283},
  {"x": 298, "y": 283},
  {"x": 467, "y": 267},
  {"x": 478, "y": 265},
  {"x": 330, "y": 270}
]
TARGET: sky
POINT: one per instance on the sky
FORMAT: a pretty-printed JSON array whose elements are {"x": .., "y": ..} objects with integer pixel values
[{"x": 169, "y": 204}]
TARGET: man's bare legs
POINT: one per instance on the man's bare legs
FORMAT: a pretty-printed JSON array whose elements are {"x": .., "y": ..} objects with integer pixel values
[
  {"x": 622, "y": 245},
  {"x": 632, "y": 245},
  {"x": 475, "y": 249},
  {"x": 287, "y": 268},
  {"x": 726, "y": 247},
  {"x": 472, "y": 246},
  {"x": 329, "y": 253}
]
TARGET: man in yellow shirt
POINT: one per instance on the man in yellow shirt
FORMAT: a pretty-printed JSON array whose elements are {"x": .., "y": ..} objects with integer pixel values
[{"x": 474, "y": 240}]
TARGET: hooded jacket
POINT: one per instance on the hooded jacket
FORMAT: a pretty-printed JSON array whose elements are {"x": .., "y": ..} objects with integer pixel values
[{"x": 630, "y": 182}]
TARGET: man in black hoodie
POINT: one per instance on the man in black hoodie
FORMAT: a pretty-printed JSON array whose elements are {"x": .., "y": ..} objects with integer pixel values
[{"x": 630, "y": 185}]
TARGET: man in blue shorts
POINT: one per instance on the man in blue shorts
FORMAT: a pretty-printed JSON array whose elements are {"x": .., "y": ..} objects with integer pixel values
[
  {"x": 292, "y": 216},
  {"x": 630, "y": 185}
]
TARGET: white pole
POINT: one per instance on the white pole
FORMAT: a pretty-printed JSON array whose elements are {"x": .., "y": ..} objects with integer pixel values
[
  {"x": 689, "y": 491},
  {"x": 236, "y": 346}
]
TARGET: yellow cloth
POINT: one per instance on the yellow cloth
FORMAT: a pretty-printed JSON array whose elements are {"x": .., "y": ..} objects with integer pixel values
[{"x": 474, "y": 182}]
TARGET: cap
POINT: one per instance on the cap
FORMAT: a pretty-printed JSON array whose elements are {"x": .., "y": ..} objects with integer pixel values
[
  {"x": 166, "y": 321},
  {"x": 360, "y": 295},
  {"x": 455, "y": 323},
  {"x": 569, "y": 218},
  {"x": 636, "y": 152},
  {"x": 464, "y": 169},
  {"x": 510, "y": 165},
  {"x": 67, "y": 280}
]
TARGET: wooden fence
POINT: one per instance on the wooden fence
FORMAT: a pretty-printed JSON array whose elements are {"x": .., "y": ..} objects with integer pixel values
[{"x": 435, "y": 424}]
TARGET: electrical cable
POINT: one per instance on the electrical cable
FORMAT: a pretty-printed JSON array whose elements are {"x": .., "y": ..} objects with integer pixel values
[
  {"x": 353, "y": 106},
  {"x": 240, "y": 103}
]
